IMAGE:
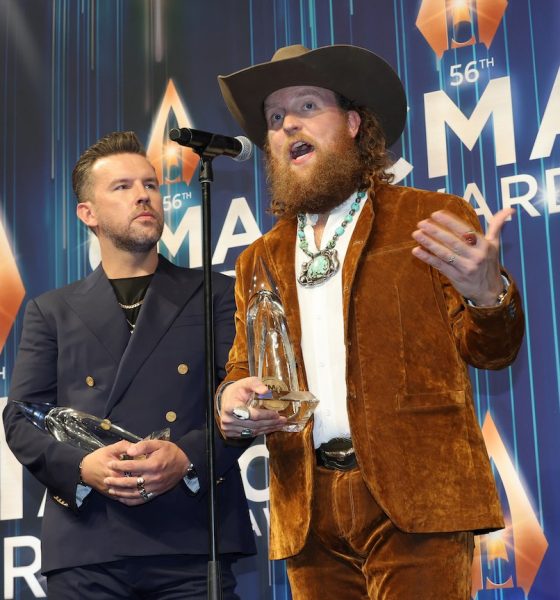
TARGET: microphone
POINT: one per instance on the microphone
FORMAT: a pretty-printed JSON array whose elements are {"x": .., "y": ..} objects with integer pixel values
[{"x": 212, "y": 144}]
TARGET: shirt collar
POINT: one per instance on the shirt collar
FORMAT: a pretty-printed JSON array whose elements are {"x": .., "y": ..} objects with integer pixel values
[{"x": 338, "y": 211}]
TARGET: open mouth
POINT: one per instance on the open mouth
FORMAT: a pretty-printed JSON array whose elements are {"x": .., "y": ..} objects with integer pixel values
[{"x": 300, "y": 149}]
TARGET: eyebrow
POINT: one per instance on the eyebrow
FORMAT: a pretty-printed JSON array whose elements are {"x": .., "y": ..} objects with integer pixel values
[
  {"x": 307, "y": 91},
  {"x": 129, "y": 179}
]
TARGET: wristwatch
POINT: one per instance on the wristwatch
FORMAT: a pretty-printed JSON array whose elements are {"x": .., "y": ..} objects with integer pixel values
[
  {"x": 81, "y": 481},
  {"x": 191, "y": 472},
  {"x": 499, "y": 299}
]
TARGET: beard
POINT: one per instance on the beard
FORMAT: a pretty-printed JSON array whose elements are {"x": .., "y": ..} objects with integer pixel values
[
  {"x": 334, "y": 176},
  {"x": 135, "y": 238}
]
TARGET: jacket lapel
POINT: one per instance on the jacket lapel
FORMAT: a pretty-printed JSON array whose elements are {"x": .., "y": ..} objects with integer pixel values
[
  {"x": 360, "y": 236},
  {"x": 169, "y": 291},
  {"x": 94, "y": 301}
]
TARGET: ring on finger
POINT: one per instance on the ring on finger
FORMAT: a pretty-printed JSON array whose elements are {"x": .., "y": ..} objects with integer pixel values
[
  {"x": 451, "y": 259},
  {"x": 146, "y": 496},
  {"x": 241, "y": 413},
  {"x": 140, "y": 483},
  {"x": 246, "y": 433}
]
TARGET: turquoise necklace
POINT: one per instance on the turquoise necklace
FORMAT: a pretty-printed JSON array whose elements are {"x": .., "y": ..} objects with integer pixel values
[{"x": 323, "y": 264}]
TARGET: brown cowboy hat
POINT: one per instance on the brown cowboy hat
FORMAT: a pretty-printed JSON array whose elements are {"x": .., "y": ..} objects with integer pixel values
[{"x": 356, "y": 73}]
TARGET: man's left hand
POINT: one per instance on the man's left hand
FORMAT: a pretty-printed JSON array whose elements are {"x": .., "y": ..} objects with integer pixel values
[
  {"x": 154, "y": 467},
  {"x": 469, "y": 259}
]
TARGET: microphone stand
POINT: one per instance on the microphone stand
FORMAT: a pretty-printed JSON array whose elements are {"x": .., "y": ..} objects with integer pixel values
[
  {"x": 208, "y": 146},
  {"x": 206, "y": 177}
]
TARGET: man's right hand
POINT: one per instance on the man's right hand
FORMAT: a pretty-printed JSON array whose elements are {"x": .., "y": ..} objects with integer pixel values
[
  {"x": 238, "y": 395},
  {"x": 95, "y": 466}
]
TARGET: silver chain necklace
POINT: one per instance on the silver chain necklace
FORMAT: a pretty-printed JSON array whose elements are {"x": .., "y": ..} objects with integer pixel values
[
  {"x": 131, "y": 325},
  {"x": 324, "y": 263},
  {"x": 131, "y": 306}
]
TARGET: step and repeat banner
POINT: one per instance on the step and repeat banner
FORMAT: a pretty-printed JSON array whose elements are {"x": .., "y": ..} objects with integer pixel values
[{"x": 483, "y": 85}]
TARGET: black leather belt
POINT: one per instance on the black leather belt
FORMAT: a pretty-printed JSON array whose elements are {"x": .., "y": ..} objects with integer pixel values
[{"x": 337, "y": 453}]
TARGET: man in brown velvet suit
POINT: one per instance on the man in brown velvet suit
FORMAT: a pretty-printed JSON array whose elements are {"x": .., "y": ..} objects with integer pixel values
[{"x": 390, "y": 292}]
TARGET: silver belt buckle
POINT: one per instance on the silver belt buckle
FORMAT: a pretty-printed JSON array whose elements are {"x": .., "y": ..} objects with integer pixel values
[{"x": 338, "y": 453}]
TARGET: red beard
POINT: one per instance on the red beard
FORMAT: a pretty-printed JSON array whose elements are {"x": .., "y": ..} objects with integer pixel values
[{"x": 335, "y": 175}]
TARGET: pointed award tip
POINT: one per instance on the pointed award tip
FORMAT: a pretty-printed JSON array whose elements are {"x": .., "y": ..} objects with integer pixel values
[
  {"x": 262, "y": 280},
  {"x": 35, "y": 412}
]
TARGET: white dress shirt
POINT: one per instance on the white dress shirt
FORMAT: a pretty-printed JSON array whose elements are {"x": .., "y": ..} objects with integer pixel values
[{"x": 322, "y": 330}]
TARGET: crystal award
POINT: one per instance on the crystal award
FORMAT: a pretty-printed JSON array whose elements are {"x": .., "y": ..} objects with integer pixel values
[
  {"x": 271, "y": 356},
  {"x": 81, "y": 429}
]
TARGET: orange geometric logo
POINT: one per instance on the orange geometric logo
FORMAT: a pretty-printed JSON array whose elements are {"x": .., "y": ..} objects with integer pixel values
[
  {"x": 521, "y": 546},
  {"x": 164, "y": 154},
  {"x": 11, "y": 288},
  {"x": 451, "y": 23}
]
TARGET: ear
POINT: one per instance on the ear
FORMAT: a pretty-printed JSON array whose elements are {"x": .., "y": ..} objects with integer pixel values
[
  {"x": 353, "y": 120},
  {"x": 86, "y": 213}
]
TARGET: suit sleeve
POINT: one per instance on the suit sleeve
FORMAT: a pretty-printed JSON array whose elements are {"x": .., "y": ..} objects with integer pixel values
[
  {"x": 238, "y": 362},
  {"x": 34, "y": 379},
  {"x": 486, "y": 337}
]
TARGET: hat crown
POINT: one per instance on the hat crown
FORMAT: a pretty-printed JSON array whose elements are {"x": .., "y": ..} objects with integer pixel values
[
  {"x": 289, "y": 52},
  {"x": 356, "y": 73}
]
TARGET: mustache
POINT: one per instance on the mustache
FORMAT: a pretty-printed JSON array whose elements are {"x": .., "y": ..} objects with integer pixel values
[
  {"x": 302, "y": 137},
  {"x": 146, "y": 210}
]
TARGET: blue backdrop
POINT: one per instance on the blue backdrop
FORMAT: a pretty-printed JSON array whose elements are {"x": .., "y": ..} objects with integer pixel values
[{"x": 483, "y": 83}]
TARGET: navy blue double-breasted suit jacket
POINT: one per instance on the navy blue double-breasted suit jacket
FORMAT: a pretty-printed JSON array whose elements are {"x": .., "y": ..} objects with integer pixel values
[{"x": 76, "y": 350}]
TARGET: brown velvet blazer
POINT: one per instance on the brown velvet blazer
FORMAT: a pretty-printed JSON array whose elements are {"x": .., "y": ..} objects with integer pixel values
[{"x": 409, "y": 337}]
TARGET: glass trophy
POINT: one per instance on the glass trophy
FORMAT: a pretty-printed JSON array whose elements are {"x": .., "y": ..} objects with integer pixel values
[
  {"x": 81, "y": 429},
  {"x": 271, "y": 356}
]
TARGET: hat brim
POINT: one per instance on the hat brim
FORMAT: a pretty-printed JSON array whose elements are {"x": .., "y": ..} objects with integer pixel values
[{"x": 356, "y": 73}]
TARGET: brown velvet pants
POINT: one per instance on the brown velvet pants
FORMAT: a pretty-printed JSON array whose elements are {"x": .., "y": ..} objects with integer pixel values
[{"x": 353, "y": 551}]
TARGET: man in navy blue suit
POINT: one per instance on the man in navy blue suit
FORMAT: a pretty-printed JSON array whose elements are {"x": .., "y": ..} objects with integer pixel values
[{"x": 126, "y": 343}]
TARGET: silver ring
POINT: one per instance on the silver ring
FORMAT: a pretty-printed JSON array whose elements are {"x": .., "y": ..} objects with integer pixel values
[
  {"x": 140, "y": 483},
  {"x": 241, "y": 412},
  {"x": 451, "y": 259},
  {"x": 127, "y": 474},
  {"x": 245, "y": 433},
  {"x": 146, "y": 496}
]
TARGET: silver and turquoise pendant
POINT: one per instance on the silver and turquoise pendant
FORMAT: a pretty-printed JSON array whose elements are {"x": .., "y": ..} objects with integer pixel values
[{"x": 321, "y": 267}]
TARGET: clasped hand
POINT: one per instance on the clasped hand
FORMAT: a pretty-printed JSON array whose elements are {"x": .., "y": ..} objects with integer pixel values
[{"x": 154, "y": 466}]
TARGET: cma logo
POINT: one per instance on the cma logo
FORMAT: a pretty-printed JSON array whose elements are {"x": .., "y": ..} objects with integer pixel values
[
  {"x": 12, "y": 290},
  {"x": 456, "y": 23},
  {"x": 509, "y": 558}
]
